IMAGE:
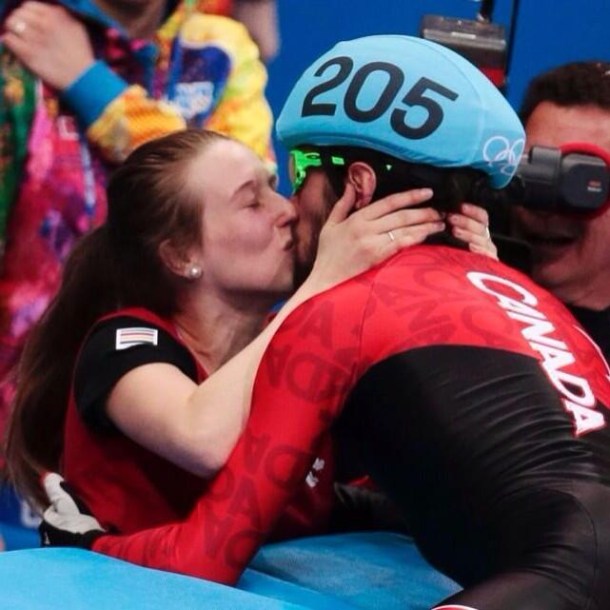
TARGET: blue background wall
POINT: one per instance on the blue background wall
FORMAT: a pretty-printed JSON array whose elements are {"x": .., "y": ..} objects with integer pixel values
[{"x": 547, "y": 33}]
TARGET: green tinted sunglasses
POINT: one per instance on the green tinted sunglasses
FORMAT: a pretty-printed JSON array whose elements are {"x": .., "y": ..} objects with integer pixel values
[{"x": 302, "y": 161}]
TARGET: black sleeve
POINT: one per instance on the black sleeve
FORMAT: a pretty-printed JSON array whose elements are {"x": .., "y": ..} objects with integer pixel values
[{"x": 112, "y": 349}]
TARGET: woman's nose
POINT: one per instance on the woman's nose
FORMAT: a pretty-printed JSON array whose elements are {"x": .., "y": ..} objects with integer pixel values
[{"x": 288, "y": 211}]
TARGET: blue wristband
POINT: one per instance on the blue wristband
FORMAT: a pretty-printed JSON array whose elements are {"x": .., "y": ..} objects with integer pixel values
[{"x": 92, "y": 91}]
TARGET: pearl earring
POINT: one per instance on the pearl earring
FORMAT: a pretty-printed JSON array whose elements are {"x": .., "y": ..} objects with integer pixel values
[{"x": 194, "y": 272}]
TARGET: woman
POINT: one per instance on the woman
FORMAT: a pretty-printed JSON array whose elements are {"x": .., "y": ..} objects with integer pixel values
[{"x": 197, "y": 248}]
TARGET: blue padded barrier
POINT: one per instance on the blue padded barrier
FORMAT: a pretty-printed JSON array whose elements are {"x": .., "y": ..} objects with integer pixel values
[
  {"x": 283, "y": 590},
  {"x": 75, "y": 579},
  {"x": 365, "y": 569},
  {"x": 335, "y": 572}
]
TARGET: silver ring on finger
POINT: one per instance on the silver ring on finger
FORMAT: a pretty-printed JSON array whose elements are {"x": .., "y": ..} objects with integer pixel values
[
  {"x": 391, "y": 236},
  {"x": 19, "y": 27},
  {"x": 487, "y": 232}
]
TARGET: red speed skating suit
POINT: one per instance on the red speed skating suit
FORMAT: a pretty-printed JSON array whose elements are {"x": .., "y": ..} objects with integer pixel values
[{"x": 473, "y": 398}]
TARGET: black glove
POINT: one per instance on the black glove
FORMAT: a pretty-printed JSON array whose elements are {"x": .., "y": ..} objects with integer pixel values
[{"x": 67, "y": 521}]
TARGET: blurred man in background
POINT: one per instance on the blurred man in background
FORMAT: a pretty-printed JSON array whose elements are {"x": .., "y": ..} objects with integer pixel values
[{"x": 570, "y": 254}]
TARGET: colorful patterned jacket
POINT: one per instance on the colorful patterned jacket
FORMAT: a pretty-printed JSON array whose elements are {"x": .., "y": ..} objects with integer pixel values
[{"x": 56, "y": 150}]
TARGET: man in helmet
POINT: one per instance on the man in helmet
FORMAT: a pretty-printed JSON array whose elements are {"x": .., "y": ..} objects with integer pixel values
[{"x": 469, "y": 394}]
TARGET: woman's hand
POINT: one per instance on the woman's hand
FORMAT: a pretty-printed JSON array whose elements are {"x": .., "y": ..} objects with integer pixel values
[
  {"x": 352, "y": 243},
  {"x": 472, "y": 226}
]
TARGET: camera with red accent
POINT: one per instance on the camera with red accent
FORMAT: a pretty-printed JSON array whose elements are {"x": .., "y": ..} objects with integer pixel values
[{"x": 572, "y": 179}]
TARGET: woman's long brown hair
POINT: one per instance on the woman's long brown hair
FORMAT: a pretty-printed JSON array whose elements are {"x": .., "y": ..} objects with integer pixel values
[{"x": 117, "y": 265}]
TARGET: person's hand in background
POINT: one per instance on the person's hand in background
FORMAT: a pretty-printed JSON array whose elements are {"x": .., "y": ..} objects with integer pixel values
[{"x": 49, "y": 41}]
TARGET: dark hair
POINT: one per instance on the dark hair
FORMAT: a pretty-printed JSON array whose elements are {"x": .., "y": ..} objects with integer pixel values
[
  {"x": 451, "y": 185},
  {"x": 150, "y": 200},
  {"x": 582, "y": 83}
]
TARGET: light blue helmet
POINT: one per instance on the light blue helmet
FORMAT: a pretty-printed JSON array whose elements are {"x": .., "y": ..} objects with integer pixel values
[{"x": 407, "y": 97}]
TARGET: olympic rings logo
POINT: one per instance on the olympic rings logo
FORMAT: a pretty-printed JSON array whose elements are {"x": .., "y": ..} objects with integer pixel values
[{"x": 499, "y": 151}]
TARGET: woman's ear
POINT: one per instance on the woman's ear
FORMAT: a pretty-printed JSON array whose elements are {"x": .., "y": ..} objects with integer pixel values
[
  {"x": 179, "y": 262},
  {"x": 362, "y": 176}
]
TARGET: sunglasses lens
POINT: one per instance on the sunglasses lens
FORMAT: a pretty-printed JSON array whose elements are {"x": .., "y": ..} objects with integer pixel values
[{"x": 302, "y": 161}]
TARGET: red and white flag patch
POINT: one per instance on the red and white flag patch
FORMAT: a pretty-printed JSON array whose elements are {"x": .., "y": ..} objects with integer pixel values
[{"x": 137, "y": 335}]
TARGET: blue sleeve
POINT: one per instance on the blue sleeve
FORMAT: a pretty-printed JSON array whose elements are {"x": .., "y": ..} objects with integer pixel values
[{"x": 92, "y": 91}]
